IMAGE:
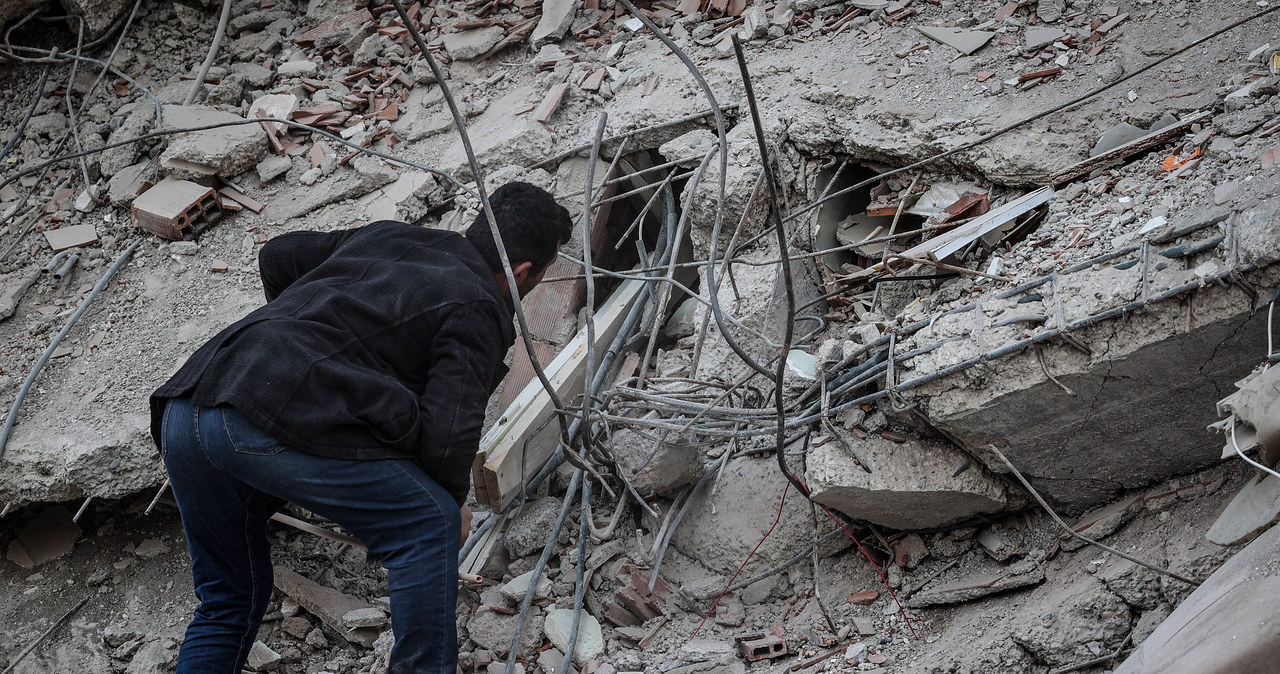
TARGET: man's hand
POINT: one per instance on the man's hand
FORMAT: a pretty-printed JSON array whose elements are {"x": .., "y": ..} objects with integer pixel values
[{"x": 466, "y": 524}]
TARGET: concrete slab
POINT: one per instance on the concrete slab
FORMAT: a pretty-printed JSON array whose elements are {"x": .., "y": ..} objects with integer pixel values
[
  {"x": 1254, "y": 510},
  {"x": 911, "y": 485},
  {"x": 1228, "y": 624},
  {"x": 557, "y": 18},
  {"x": 1146, "y": 377}
]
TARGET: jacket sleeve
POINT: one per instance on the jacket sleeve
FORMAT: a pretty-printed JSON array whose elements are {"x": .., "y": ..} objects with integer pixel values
[
  {"x": 288, "y": 257},
  {"x": 466, "y": 353}
]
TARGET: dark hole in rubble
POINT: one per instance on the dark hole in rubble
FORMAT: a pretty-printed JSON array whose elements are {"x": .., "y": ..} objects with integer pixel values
[{"x": 863, "y": 214}]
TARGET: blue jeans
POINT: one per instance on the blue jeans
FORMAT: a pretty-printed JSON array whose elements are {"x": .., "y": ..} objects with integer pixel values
[{"x": 228, "y": 477}]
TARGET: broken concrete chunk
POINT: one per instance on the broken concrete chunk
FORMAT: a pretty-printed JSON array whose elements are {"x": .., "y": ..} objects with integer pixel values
[
  {"x": 1116, "y": 136},
  {"x": 996, "y": 543},
  {"x": 518, "y": 587},
  {"x": 275, "y": 106},
  {"x": 273, "y": 167},
  {"x": 1090, "y": 620},
  {"x": 262, "y": 658},
  {"x": 50, "y": 535},
  {"x": 965, "y": 41},
  {"x": 364, "y": 617},
  {"x": 911, "y": 485},
  {"x": 1255, "y": 509},
  {"x": 327, "y": 604},
  {"x": 557, "y": 18},
  {"x": 1103, "y": 522},
  {"x": 98, "y": 15},
  {"x": 689, "y": 149},
  {"x": 151, "y": 547},
  {"x": 128, "y": 183},
  {"x": 301, "y": 68},
  {"x": 590, "y": 639},
  {"x": 224, "y": 151},
  {"x": 910, "y": 551},
  {"x": 1043, "y": 37},
  {"x": 468, "y": 45},
  {"x": 980, "y": 584},
  {"x": 657, "y": 468},
  {"x": 528, "y": 532}
]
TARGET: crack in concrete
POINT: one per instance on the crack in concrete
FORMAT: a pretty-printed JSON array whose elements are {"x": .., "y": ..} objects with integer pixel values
[
  {"x": 1217, "y": 388},
  {"x": 1093, "y": 405}
]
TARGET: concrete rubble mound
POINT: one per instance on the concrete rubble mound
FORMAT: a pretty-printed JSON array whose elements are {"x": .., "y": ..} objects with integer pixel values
[{"x": 933, "y": 385}]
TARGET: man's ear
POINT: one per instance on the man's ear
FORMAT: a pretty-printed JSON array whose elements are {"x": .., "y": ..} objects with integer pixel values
[{"x": 522, "y": 271}]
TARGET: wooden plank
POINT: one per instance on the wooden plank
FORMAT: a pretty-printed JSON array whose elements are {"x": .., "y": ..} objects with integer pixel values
[
  {"x": 549, "y": 104},
  {"x": 1146, "y": 142},
  {"x": 514, "y": 448}
]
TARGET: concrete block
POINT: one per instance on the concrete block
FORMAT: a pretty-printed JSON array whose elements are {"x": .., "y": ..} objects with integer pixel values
[
  {"x": 910, "y": 486},
  {"x": 98, "y": 15},
  {"x": 529, "y": 530},
  {"x": 499, "y": 136},
  {"x": 225, "y": 151},
  {"x": 129, "y": 182},
  {"x": 176, "y": 209}
]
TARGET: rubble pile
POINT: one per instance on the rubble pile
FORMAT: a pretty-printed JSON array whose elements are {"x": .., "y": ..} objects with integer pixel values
[{"x": 1078, "y": 293}]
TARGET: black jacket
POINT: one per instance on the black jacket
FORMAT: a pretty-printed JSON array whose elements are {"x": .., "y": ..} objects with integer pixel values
[{"x": 384, "y": 341}]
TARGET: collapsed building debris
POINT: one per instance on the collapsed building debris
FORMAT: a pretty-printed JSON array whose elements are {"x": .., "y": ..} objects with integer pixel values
[{"x": 1076, "y": 292}]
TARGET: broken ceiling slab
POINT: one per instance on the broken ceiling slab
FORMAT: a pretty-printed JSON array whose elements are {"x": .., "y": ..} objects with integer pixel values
[
  {"x": 965, "y": 41},
  {"x": 499, "y": 136},
  {"x": 557, "y": 18},
  {"x": 1254, "y": 510},
  {"x": 468, "y": 45},
  {"x": 49, "y": 536},
  {"x": 912, "y": 485},
  {"x": 1232, "y": 616},
  {"x": 980, "y": 584},
  {"x": 224, "y": 151}
]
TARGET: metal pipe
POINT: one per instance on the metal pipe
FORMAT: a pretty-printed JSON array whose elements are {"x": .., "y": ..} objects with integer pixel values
[{"x": 67, "y": 265}]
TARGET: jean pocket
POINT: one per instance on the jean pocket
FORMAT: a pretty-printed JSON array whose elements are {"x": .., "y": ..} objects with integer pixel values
[
  {"x": 164, "y": 427},
  {"x": 246, "y": 438}
]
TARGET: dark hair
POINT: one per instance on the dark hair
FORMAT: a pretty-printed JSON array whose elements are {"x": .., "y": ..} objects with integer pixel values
[{"x": 531, "y": 223}]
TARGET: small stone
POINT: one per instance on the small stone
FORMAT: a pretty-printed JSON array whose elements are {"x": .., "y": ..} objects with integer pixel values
[
  {"x": 151, "y": 547},
  {"x": 273, "y": 167},
  {"x": 317, "y": 640},
  {"x": 297, "y": 69},
  {"x": 262, "y": 658},
  {"x": 866, "y": 598},
  {"x": 184, "y": 247}
]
